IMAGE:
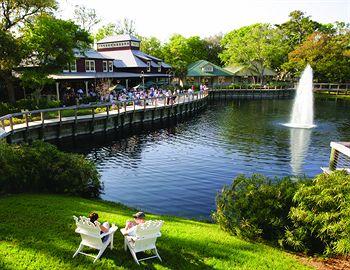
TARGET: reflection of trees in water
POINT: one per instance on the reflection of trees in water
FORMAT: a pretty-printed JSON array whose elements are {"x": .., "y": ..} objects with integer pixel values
[
  {"x": 335, "y": 112},
  {"x": 124, "y": 148},
  {"x": 250, "y": 125}
]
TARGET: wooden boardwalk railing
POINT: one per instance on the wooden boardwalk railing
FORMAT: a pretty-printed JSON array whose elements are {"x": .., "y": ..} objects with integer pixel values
[
  {"x": 338, "y": 88},
  {"x": 8, "y": 123}
]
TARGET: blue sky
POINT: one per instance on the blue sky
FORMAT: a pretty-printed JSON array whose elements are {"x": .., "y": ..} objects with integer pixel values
[{"x": 162, "y": 18}]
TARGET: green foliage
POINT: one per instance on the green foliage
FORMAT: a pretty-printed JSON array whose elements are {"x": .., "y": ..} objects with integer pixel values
[
  {"x": 255, "y": 207},
  {"x": 106, "y": 30},
  {"x": 326, "y": 53},
  {"x": 256, "y": 46},
  {"x": 321, "y": 217},
  {"x": 309, "y": 216},
  {"x": 37, "y": 232},
  {"x": 15, "y": 12},
  {"x": 152, "y": 46},
  {"x": 50, "y": 57},
  {"x": 124, "y": 26},
  {"x": 298, "y": 28},
  {"x": 177, "y": 53},
  {"x": 27, "y": 104},
  {"x": 41, "y": 167}
]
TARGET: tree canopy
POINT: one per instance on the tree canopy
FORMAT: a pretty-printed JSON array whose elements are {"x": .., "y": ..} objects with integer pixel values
[
  {"x": 256, "y": 46},
  {"x": 49, "y": 57},
  {"x": 328, "y": 54},
  {"x": 124, "y": 26}
]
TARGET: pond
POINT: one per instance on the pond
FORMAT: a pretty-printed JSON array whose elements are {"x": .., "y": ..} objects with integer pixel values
[{"x": 178, "y": 169}]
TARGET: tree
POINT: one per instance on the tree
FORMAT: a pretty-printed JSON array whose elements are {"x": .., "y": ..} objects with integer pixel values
[
  {"x": 179, "y": 52},
  {"x": 45, "y": 58},
  {"x": 214, "y": 49},
  {"x": 176, "y": 52},
  {"x": 105, "y": 31},
  {"x": 85, "y": 17},
  {"x": 328, "y": 55},
  {"x": 10, "y": 56},
  {"x": 299, "y": 27},
  {"x": 122, "y": 27},
  {"x": 256, "y": 46},
  {"x": 152, "y": 46},
  {"x": 13, "y": 15},
  {"x": 16, "y": 12}
]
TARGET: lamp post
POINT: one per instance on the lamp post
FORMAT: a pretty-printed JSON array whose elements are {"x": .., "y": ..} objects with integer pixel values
[{"x": 142, "y": 76}]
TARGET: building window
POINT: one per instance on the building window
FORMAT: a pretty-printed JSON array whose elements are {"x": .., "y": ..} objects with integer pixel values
[
  {"x": 148, "y": 66},
  {"x": 73, "y": 66},
  {"x": 110, "y": 66},
  {"x": 90, "y": 66},
  {"x": 105, "y": 67},
  {"x": 208, "y": 68},
  {"x": 66, "y": 68}
]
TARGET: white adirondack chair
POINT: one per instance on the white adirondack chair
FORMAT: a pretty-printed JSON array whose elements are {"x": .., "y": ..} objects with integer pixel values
[
  {"x": 91, "y": 236},
  {"x": 145, "y": 238}
]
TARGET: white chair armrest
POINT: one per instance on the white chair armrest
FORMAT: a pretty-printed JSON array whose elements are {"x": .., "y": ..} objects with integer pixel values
[
  {"x": 85, "y": 233},
  {"x": 112, "y": 230}
]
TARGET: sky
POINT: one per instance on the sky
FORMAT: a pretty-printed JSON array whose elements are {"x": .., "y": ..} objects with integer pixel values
[{"x": 162, "y": 18}]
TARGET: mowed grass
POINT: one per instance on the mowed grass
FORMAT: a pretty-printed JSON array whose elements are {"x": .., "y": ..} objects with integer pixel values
[{"x": 37, "y": 232}]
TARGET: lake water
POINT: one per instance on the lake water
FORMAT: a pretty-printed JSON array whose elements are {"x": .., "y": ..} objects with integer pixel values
[{"x": 178, "y": 169}]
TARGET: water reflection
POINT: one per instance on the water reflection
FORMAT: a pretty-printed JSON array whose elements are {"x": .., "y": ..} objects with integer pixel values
[
  {"x": 178, "y": 168},
  {"x": 299, "y": 146}
]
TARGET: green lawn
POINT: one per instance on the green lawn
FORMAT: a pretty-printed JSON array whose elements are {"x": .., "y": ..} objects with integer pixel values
[{"x": 37, "y": 232}]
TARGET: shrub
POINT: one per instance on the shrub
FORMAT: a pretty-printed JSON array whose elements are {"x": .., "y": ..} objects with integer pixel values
[
  {"x": 255, "y": 207},
  {"x": 321, "y": 217},
  {"x": 27, "y": 104},
  {"x": 41, "y": 167}
]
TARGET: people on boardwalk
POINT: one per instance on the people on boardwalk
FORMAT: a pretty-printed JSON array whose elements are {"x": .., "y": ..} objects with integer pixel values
[
  {"x": 130, "y": 226},
  {"x": 153, "y": 94}
]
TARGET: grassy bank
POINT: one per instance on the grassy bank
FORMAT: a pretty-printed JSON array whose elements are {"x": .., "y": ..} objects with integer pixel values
[
  {"x": 325, "y": 94},
  {"x": 37, "y": 232}
]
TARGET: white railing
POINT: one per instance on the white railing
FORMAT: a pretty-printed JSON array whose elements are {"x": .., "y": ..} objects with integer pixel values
[{"x": 339, "y": 158}]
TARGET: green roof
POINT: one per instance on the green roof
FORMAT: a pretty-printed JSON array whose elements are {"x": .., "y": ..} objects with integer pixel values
[
  {"x": 239, "y": 70},
  {"x": 203, "y": 68}
]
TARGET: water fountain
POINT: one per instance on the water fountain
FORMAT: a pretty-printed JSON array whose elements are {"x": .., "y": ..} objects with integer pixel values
[{"x": 303, "y": 107}]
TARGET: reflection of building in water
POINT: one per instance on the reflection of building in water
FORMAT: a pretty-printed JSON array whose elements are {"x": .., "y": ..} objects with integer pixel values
[{"x": 299, "y": 146}]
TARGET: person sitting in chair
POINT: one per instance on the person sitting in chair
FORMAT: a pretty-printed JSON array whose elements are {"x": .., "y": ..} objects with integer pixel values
[
  {"x": 130, "y": 226},
  {"x": 104, "y": 227}
]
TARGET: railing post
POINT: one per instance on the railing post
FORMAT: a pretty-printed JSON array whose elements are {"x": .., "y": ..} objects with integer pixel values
[
  {"x": 333, "y": 159},
  {"x": 11, "y": 123},
  {"x": 42, "y": 117},
  {"x": 75, "y": 115},
  {"x": 27, "y": 122},
  {"x": 93, "y": 113},
  {"x": 134, "y": 104},
  {"x": 124, "y": 104},
  {"x": 3, "y": 123},
  {"x": 144, "y": 104},
  {"x": 107, "y": 111},
  {"x": 60, "y": 116}
]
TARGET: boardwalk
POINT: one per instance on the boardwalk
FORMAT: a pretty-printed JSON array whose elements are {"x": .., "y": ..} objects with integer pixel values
[{"x": 37, "y": 120}]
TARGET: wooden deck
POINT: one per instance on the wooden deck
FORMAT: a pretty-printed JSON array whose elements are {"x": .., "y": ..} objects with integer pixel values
[{"x": 138, "y": 110}]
